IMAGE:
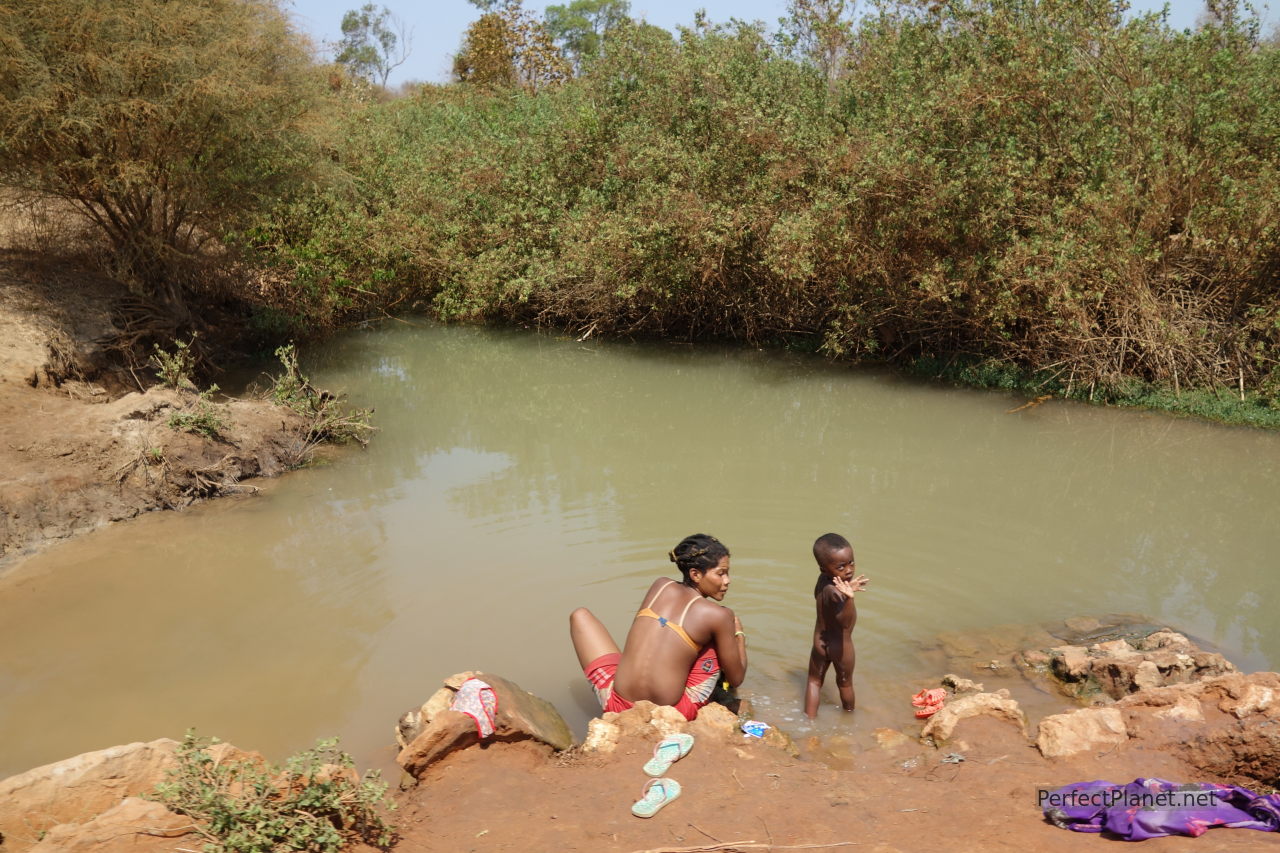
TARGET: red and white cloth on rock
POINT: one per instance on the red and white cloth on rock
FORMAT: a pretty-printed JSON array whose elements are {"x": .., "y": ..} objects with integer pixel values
[{"x": 478, "y": 701}]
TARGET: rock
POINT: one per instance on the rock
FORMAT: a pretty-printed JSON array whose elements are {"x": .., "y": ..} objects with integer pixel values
[
  {"x": 438, "y": 702},
  {"x": 1070, "y": 663},
  {"x": 666, "y": 719},
  {"x": 717, "y": 722},
  {"x": 1226, "y": 726},
  {"x": 409, "y": 726},
  {"x": 778, "y": 739},
  {"x": 602, "y": 737},
  {"x": 448, "y": 732},
  {"x": 1185, "y": 709},
  {"x": 1248, "y": 695},
  {"x": 78, "y": 788},
  {"x": 1178, "y": 702},
  {"x": 124, "y": 828},
  {"x": 637, "y": 721},
  {"x": 1146, "y": 656},
  {"x": 1117, "y": 648},
  {"x": 1165, "y": 640},
  {"x": 1116, "y": 675},
  {"x": 456, "y": 680},
  {"x": 961, "y": 685},
  {"x": 1079, "y": 731},
  {"x": 520, "y": 716},
  {"x": 890, "y": 739},
  {"x": 1082, "y": 624},
  {"x": 1034, "y": 658},
  {"x": 999, "y": 705},
  {"x": 1210, "y": 664},
  {"x": 1147, "y": 675},
  {"x": 1166, "y": 694}
]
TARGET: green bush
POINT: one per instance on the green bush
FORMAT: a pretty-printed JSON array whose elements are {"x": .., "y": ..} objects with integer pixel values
[
  {"x": 1047, "y": 186},
  {"x": 199, "y": 415},
  {"x": 311, "y": 804},
  {"x": 328, "y": 418},
  {"x": 176, "y": 368}
]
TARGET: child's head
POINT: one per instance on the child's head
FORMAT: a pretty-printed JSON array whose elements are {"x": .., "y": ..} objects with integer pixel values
[
  {"x": 834, "y": 555},
  {"x": 699, "y": 551}
]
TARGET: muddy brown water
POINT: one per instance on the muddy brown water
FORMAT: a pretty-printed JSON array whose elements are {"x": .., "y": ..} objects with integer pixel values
[{"x": 517, "y": 476}]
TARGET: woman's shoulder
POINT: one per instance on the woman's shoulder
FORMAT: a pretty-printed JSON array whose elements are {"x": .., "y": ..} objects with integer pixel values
[
  {"x": 657, "y": 586},
  {"x": 711, "y": 610}
]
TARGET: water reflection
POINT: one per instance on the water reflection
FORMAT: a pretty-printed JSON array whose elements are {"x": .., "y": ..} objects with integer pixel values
[{"x": 517, "y": 476}]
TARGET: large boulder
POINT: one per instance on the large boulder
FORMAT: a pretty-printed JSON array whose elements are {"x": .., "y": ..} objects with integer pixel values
[
  {"x": 79, "y": 788},
  {"x": 431, "y": 732},
  {"x": 941, "y": 726},
  {"x": 1084, "y": 730}
]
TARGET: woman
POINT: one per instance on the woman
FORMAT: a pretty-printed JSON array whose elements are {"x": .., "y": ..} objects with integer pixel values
[{"x": 679, "y": 644}]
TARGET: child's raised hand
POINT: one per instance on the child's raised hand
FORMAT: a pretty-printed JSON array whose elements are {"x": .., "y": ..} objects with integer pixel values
[{"x": 848, "y": 588}]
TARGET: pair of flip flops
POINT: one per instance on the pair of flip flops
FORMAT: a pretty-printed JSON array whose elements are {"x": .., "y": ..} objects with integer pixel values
[
  {"x": 929, "y": 702},
  {"x": 659, "y": 791}
]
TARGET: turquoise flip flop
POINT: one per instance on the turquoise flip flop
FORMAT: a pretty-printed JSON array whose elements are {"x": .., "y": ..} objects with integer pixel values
[
  {"x": 657, "y": 793},
  {"x": 669, "y": 750}
]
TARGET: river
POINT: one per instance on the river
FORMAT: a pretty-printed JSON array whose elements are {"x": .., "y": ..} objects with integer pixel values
[{"x": 519, "y": 475}]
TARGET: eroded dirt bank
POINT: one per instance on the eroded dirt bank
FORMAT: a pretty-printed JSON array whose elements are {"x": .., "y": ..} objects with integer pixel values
[{"x": 85, "y": 441}]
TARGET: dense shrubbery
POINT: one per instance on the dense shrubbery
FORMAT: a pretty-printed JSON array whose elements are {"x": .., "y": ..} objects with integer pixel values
[
  {"x": 1035, "y": 183},
  {"x": 1038, "y": 185}
]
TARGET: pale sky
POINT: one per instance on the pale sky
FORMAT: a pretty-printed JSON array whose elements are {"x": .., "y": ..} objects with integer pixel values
[{"x": 438, "y": 25}]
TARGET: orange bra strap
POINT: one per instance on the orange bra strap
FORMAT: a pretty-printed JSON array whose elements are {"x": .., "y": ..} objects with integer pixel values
[
  {"x": 683, "y": 635},
  {"x": 685, "y": 612}
]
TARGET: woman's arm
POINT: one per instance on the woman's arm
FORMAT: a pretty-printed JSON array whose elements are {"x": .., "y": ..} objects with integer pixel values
[{"x": 731, "y": 646}]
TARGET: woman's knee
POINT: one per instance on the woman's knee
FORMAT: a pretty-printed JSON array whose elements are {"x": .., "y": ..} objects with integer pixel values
[{"x": 580, "y": 616}]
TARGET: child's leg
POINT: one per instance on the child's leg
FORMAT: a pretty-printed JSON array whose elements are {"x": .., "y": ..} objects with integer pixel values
[
  {"x": 818, "y": 664},
  {"x": 844, "y": 675}
]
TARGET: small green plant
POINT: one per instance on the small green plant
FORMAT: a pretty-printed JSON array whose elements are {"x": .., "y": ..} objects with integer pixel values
[
  {"x": 316, "y": 802},
  {"x": 200, "y": 416},
  {"x": 331, "y": 420},
  {"x": 176, "y": 368},
  {"x": 291, "y": 388}
]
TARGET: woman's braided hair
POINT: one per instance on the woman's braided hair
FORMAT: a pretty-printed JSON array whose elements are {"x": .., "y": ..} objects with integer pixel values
[{"x": 698, "y": 551}]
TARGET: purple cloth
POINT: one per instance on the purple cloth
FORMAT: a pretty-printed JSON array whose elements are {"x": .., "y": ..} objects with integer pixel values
[{"x": 1151, "y": 808}]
